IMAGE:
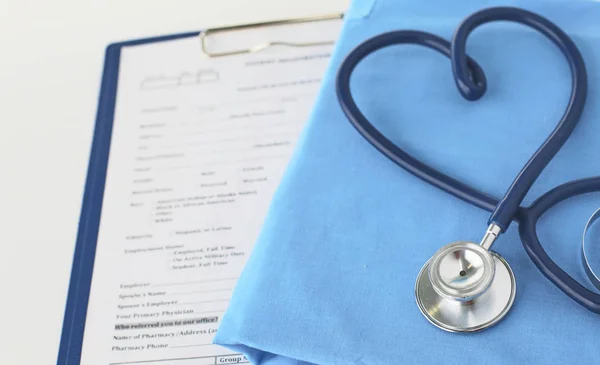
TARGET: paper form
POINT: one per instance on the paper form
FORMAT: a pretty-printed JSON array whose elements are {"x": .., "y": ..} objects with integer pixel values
[{"x": 198, "y": 148}]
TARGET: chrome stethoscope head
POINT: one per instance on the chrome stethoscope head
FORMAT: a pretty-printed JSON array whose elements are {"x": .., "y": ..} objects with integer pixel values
[{"x": 465, "y": 287}]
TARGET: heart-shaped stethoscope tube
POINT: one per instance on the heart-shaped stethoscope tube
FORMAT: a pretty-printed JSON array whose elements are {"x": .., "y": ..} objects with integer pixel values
[{"x": 471, "y": 82}]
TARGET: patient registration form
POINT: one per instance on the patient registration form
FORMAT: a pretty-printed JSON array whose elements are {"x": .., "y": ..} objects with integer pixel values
[{"x": 198, "y": 147}]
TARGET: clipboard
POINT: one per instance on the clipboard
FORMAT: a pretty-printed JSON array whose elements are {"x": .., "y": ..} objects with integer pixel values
[{"x": 75, "y": 313}]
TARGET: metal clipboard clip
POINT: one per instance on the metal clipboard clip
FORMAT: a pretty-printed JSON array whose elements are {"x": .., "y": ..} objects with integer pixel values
[{"x": 262, "y": 46}]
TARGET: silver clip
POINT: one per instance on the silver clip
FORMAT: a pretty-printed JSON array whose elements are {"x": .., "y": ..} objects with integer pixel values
[{"x": 259, "y": 47}]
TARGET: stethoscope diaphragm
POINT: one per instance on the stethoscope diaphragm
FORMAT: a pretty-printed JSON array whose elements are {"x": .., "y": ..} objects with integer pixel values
[{"x": 465, "y": 288}]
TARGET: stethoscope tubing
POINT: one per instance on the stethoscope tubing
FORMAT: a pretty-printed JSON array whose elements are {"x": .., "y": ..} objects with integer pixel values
[
  {"x": 507, "y": 208},
  {"x": 471, "y": 82},
  {"x": 537, "y": 254},
  {"x": 382, "y": 143}
]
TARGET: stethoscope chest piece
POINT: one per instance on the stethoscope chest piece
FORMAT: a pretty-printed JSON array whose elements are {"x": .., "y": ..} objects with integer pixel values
[{"x": 465, "y": 288}]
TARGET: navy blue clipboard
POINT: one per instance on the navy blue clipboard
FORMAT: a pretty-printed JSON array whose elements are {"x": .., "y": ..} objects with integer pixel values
[{"x": 89, "y": 221}]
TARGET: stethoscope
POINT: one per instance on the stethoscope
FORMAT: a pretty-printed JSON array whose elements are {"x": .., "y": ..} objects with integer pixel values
[{"x": 465, "y": 286}]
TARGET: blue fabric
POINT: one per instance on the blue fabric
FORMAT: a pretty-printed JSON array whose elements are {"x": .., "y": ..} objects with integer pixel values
[{"x": 331, "y": 278}]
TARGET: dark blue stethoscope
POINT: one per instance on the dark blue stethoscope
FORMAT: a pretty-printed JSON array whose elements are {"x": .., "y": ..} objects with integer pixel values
[{"x": 465, "y": 287}]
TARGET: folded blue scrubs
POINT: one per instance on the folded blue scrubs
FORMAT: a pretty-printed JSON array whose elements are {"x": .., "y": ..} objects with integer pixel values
[{"x": 331, "y": 278}]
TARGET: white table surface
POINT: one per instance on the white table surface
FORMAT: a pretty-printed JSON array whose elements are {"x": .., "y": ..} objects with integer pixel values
[{"x": 51, "y": 58}]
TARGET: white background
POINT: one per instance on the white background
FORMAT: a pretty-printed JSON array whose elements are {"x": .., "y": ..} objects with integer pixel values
[{"x": 51, "y": 58}]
